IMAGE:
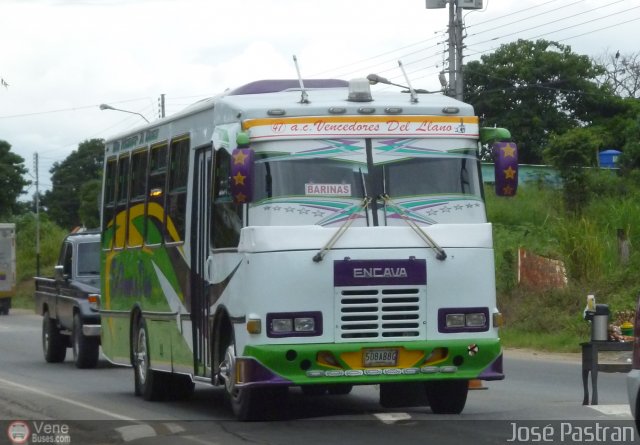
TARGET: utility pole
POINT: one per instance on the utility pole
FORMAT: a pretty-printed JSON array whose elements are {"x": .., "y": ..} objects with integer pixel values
[
  {"x": 35, "y": 167},
  {"x": 451, "y": 89},
  {"x": 455, "y": 88},
  {"x": 459, "y": 48},
  {"x": 161, "y": 112}
]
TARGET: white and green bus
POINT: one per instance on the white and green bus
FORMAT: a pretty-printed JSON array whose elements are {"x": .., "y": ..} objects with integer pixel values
[{"x": 317, "y": 236}]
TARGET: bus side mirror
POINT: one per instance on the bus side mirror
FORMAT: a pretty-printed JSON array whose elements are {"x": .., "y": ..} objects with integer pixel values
[
  {"x": 505, "y": 156},
  {"x": 242, "y": 175}
]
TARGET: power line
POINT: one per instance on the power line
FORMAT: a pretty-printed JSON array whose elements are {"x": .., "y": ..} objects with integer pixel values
[
  {"x": 562, "y": 19},
  {"x": 536, "y": 15}
]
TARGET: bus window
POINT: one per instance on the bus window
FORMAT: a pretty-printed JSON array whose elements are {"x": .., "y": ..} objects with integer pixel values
[
  {"x": 177, "y": 197},
  {"x": 137, "y": 200},
  {"x": 227, "y": 216},
  {"x": 122, "y": 194},
  {"x": 157, "y": 182},
  {"x": 109, "y": 199}
]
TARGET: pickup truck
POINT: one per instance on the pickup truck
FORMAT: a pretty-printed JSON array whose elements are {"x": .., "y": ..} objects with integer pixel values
[{"x": 69, "y": 302}]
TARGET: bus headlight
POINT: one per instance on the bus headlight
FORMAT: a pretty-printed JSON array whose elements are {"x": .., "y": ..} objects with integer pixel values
[
  {"x": 281, "y": 325},
  {"x": 294, "y": 324},
  {"x": 475, "y": 320},
  {"x": 468, "y": 319},
  {"x": 304, "y": 324}
]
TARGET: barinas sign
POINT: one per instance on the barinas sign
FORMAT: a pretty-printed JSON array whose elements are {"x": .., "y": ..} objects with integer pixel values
[{"x": 379, "y": 272}]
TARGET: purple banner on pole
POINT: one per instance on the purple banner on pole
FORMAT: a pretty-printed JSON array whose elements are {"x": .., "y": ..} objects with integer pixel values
[
  {"x": 379, "y": 272},
  {"x": 505, "y": 155},
  {"x": 242, "y": 175}
]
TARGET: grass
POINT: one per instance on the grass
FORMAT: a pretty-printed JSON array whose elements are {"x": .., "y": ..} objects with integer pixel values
[
  {"x": 51, "y": 237},
  {"x": 587, "y": 244}
]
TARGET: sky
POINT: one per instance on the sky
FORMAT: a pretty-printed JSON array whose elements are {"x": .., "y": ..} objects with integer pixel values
[{"x": 61, "y": 59}]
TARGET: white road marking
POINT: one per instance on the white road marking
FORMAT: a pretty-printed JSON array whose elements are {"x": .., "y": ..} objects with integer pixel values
[
  {"x": 67, "y": 400},
  {"x": 390, "y": 418},
  {"x": 135, "y": 432},
  {"x": 612, "y": 410}
]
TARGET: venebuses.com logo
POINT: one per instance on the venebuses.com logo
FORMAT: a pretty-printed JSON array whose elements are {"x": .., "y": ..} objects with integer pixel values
[
  {"x": 18, "y": 432},
  {"x": 22, "y": 432}
]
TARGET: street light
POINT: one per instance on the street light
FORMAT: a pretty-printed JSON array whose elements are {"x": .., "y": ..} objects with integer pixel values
[{"x": 109, "y": 107}]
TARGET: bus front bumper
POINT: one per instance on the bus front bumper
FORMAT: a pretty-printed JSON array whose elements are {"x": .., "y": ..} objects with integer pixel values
[{"x": 291, "y": 365}]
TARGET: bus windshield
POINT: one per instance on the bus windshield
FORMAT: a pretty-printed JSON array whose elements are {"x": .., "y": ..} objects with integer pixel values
[
  {"x": 427, "y": 180},
  {"x": 332, "y": 177}
]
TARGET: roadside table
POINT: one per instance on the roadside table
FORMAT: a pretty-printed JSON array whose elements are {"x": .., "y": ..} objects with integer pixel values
[{"x": 590, "y": 351}]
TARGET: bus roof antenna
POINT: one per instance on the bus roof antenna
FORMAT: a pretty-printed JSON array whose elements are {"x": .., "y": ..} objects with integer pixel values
[
  {"x": 304, "y": 97},
  {"x": 414, "y": 96}
]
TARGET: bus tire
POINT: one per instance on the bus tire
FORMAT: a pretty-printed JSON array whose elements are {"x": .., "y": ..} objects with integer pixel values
[
  {"x": 54, "y": 344},
  {"x": 447, "y": 396},
  {"x": 401, "y": 394},
  {"x": 314, "y": 390},
  {"x": 85, "y": 349},
  {"x": 147, "y": 382},
  {"x": 250, "y": 404},
  {"x": 341, "y": 389},
  {"x": 179, "y": 386}
]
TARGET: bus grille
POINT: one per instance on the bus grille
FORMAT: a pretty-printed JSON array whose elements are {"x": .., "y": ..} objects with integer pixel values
[{"x": 383, "y": 314}]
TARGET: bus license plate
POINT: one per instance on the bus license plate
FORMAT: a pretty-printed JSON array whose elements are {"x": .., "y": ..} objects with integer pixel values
[{"x": 380, "y": 357}]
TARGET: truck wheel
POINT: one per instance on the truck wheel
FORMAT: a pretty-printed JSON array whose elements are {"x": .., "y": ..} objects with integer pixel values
[
  {"x": 147, "y": 382},
  {"x": 85, "y": 349},
  {"x": 5, "y": 305},
  {"x": 447, "y": 396},
  {"x": 54, "y": 344}
]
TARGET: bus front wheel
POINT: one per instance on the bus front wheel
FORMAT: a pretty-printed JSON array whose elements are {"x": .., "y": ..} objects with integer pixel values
[
  {"x": 147, "y": 382},
  {"x": 447, "y": 396},
  {"x": 249, "y": 404}
]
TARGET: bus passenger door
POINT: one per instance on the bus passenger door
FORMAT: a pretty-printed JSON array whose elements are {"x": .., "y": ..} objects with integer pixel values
[{"x": 200, "y": 218}]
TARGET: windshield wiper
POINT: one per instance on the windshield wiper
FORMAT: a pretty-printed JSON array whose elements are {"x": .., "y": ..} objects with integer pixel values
[
  {"x": 441, "y": 254},
  {"x": 343, "y": 228}
]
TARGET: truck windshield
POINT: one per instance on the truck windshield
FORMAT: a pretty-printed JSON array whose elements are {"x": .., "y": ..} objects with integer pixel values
[{"x": 89, "y": 259}]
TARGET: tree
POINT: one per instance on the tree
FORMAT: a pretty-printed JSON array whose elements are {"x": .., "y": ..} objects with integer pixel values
[
  {"x": 621, "y": 73},
  {"x": 63, "y": 201},
  {"x": 12, "y": 182},
  {"x": 536, "y": 89},
  {"x": 570, "y": 153},
  {"x": 89, "y": 210}
]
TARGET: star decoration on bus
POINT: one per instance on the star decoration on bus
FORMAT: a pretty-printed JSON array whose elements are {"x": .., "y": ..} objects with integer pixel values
[{"x": 241, "y": 197}]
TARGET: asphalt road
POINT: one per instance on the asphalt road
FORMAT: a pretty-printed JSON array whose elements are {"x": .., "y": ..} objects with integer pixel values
[{"x": 60, "y": 402}]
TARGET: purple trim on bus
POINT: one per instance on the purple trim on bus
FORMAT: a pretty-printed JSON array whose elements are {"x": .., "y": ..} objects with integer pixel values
[
  {"x": 442, "y": 319},
  {"x": 379, "y": 272},
  {"x": 494, "y": 371},
  {"x": 258, "y": 375},
  {"x": 275, "y": 85}
]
